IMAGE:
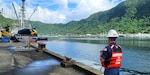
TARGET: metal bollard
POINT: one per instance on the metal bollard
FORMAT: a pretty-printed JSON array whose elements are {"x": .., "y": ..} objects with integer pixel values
[
  {"x": 41, "y": 46},
  {"x": 67, "y": 62}
]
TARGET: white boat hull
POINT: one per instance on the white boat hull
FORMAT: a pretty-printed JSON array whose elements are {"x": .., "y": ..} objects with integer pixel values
[{"x": 24, "y": 38}]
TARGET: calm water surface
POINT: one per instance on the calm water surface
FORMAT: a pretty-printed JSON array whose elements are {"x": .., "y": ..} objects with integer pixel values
[{"x": 136, "y": 53}]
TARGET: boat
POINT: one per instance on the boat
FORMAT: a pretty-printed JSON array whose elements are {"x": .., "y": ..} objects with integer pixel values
[{"x": 21, "y": 30}]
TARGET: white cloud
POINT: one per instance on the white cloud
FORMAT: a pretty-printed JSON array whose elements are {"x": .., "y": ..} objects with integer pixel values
[
  {"x": 63, "y": 14},
  {"x": 48, "y": 16}
]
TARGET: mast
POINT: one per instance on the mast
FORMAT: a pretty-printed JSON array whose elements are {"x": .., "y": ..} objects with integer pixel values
[{"x": 22, "y": 13}]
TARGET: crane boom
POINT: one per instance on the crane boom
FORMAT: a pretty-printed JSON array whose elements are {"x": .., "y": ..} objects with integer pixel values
[
  {"x": 33, "y": 11},
  {"x": 15, "y": 11}
]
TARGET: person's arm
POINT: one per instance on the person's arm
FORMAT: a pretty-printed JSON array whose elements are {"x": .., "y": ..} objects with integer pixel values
[{"x": 103, "y": 56}]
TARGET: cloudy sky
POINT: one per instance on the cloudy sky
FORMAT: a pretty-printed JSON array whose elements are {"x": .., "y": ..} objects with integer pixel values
[{"x": 57, "y": 11}]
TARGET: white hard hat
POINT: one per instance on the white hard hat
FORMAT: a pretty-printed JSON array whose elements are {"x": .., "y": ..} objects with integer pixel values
[{"x": 112, "y": 33}]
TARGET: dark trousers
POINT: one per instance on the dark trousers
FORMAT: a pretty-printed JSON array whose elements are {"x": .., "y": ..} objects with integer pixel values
[{"x": 112, "y": 71}]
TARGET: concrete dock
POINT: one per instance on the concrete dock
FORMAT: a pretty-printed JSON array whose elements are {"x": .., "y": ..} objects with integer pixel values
[
  {"x": 19, "y": 59},
  {"x": 6, "y": 60}
]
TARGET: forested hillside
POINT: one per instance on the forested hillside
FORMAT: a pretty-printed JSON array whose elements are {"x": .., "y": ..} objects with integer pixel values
[
  {"x": 5, "y": 21},
  {"x": 130, "y": 16}
]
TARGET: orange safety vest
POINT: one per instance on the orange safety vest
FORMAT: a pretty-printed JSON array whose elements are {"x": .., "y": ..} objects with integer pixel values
[{"x": 115, "y": 61}]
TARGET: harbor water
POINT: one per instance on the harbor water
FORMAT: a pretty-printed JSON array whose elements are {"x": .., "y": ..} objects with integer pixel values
[{"x": 136, "y": 53}]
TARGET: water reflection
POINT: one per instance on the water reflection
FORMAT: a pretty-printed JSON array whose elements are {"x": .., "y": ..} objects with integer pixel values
[
  {"x": 40, "y": 63},
  {"x": 40, "y": 67},
  {"x": 76, "y": 50},
  {"x": 135, "y": 57}
]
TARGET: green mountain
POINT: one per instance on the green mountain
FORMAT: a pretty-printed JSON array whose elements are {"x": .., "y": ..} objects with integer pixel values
[
  {"x": 5, "y": 21},
  {"x": 130, "y": 16}
]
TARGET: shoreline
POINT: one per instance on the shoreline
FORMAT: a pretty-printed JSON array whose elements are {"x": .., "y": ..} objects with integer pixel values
[
  {"x": 142, "y": 36},
  {"x": 139, "y": 36}
]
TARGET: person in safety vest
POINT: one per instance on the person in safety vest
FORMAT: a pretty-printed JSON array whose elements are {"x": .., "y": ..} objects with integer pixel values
[{"x": 111, "y": 55}]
